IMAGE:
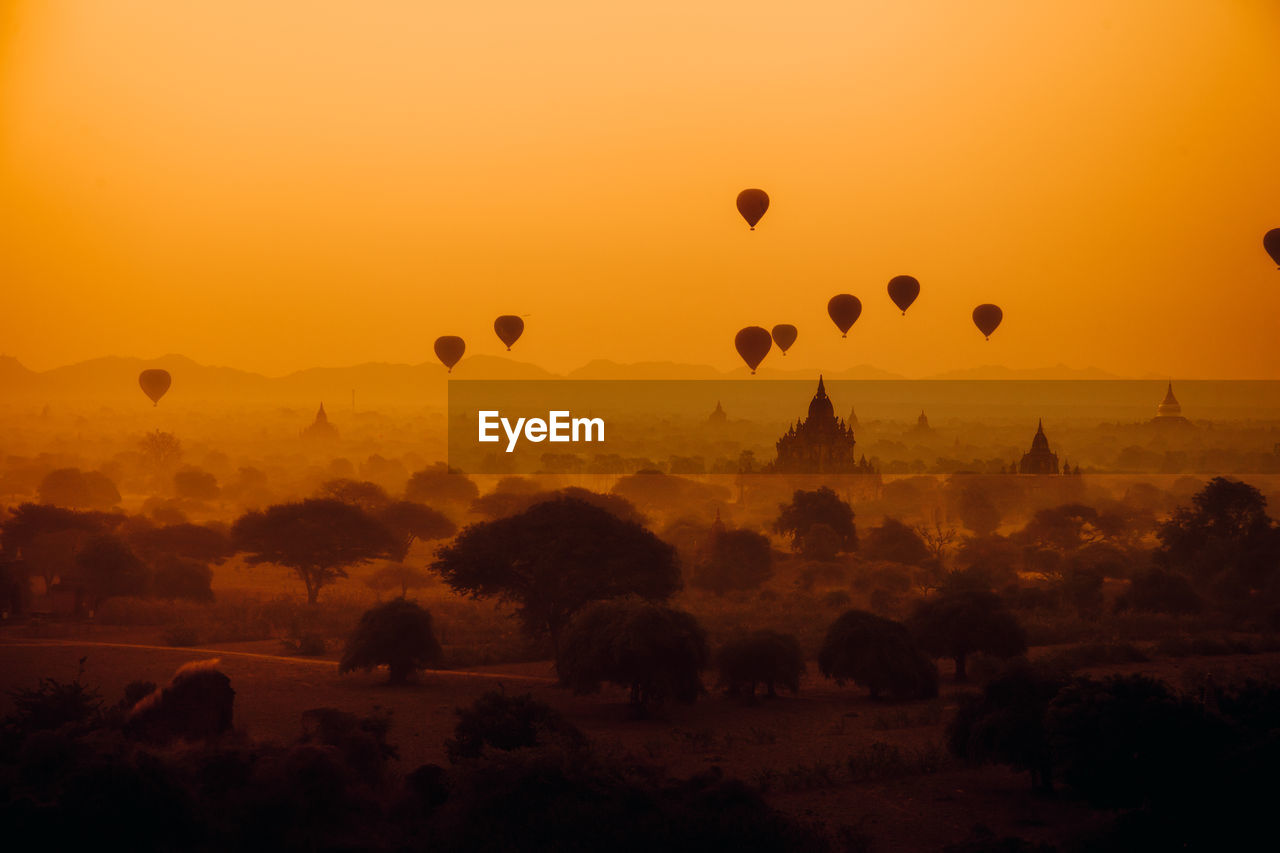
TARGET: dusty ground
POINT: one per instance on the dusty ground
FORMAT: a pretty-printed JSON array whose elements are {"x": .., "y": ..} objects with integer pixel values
[{"x": 799, "y": 745}]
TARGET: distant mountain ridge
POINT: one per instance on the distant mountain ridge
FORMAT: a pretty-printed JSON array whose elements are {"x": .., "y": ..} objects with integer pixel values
[{"x": 113, "y": 377}]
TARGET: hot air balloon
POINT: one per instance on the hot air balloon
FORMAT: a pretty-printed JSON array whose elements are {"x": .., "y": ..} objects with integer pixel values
[
  {"x": 903, "y": 290},
  {"x": 509, "y": 328},
  {"x": 155, "y": 383},
  {"x": 753, "y": 345},
  {"x": 844, "y": 309},
  {"x": 1271, "y": 242},
  {"x": 784, "y": 335},
  {"x": 987, "y": 318},
  {"x": 449, "y": 349},
  {"x": 752, "y": 204}
]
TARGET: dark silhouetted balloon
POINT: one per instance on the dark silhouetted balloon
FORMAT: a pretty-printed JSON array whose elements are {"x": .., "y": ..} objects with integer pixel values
[
  {"x": 753, "y": 345},
  {"x": 509, "y": 328},
  {"x": 987, "y": 318},
  {"x": 1271, "y": 242},
  {"x": 784, "y": 335},
  {"x": 752, "y": 204},
  {"x": 449, "y": 349},
  {"x": 903, "y": 290},
  {"x": 155, "y": 383},
  {"x": 844, "y": 310}
]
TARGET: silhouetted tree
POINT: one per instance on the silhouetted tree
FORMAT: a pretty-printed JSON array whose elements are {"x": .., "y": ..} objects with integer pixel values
[
  {"x": 995, "y": 556},
  {"x": 370, "y": 497},
  {"x": 556, "y": 557},
  {"x": 896, "y": 542},
  {"x": 500, "y": 504},
  {"x": 179, "y": 577},
  {"x": 1121, "y": 741},
  {"x": 1160, "y": 591},
  {"x": 737, "y": 559},
  {"x": 191, "y": 541},
  {"x": 1224, "y": 541},
  {"x": 71, "y": 487},
  {"x": 961, "y": 620},
  {"x": 507, "y": 723},
  {"x": 1005, "y": 723},
  {"x": 878, "y": 654},
  {"x": 761, "y": 657},
  {"x": 106, "y": 566},
  {"x": 397, "y": 634},
  {"x": 161, "y": 450},
  {"x": 440, "y": 484},
  {"x": 821, "y": 506},
  {"x": 409, "y": 521},
  {"x": 656, "y": 651},
  {"x": 316, "y": 538},
  {"x": 196, "y": 484}
]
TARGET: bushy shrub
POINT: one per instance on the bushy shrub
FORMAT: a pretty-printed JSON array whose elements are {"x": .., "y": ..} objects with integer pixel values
[
  {"x": 761, "y": 657},
  {"x": 397, "y": 634},
  {"x": 878, "y": 654},
  {"x": 506, "y": 723}
]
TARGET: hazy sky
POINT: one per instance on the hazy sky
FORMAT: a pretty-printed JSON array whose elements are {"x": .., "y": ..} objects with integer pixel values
[{"x": 274, "y": 185}]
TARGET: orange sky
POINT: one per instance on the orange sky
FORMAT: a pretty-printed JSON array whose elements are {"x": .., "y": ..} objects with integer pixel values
[{"x": 295, "y": 183}]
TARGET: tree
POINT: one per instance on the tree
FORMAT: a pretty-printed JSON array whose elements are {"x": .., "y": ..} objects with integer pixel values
[
  {"x": 895, "y": 542},
  {"x": 878, "y": 654},
  {"x": 1005, "y": 723},
  {"x": 961, "y": 620},
  {"x": 71, "y": 487},
  {"x": 316, "y": 538},
  {"x": 936, "y": 538},
  {"x": 440, "y": 484},
  {"x": 47, "y": 538},
  {"x": 761, "y": 657},
  {"x": 556, "y": 557},
  {"x": 1225, "y": 540},
  {"x": 502, "y": 503},
  {"x": 1160, "y": 591},
  {"x": 509, "y": 723},
  {"x": 180, "y": 577},
  {"x": 397, "y": 634},
  {"x": 993, "y": 556},
  {"x": 370, "y": 497},
  {"x": 106, "y": 566},
  {"x": 655, "y": 651},
  {"x": 1124, "y": 740},
  {"x": 161, "y": 450},
  {"x": 820, "y": 542},
  {"x": 191, "y": 541},
  {"x": 821, "y": 506},
  {"x": 196, "y": 484},
  {"x": 738, "y": 559},
  {"x": 409, "y": 521}
]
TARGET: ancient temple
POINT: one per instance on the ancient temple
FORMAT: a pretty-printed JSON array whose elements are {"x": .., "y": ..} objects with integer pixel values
[
  {"x": 717, "y": 417},
  {"x": 819, "y": 443},
  {"x": 1040, "y": 459},
  {"x": 321, "y": 429},
  {"x": 1169, "y": 412},
  {"x": 922, "y": 424}
]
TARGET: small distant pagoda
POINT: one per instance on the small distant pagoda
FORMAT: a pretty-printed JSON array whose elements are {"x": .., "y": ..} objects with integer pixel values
[
  {"x": 820, "y": 443},
  {"x": 321, "y": 429},
  {"x": 922, "y": 425},
  {"x": 1169, "y": 412},
  {"x": 1040, "y": 459},
  {"x": 718, "y": 416}
]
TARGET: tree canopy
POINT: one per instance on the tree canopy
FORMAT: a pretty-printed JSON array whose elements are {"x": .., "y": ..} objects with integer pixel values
[{"x": 556, "y": 557}]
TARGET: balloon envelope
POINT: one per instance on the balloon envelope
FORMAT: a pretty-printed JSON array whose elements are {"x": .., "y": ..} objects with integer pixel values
[
  {"x": 753, "y": 345},
  {"x": 1271, "y": 242},
  {"x": 155, "y": 383},
  {"x": 987, "y": 317},
  {"x": 903, "y": 290},
  {"x": 784, "y": 335},
  {"x": 752, "y": 204},
  {"x": 844, "y": 309},
  {"x": 449, "y": 349},
  {"x": 509, "y": 328}
]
